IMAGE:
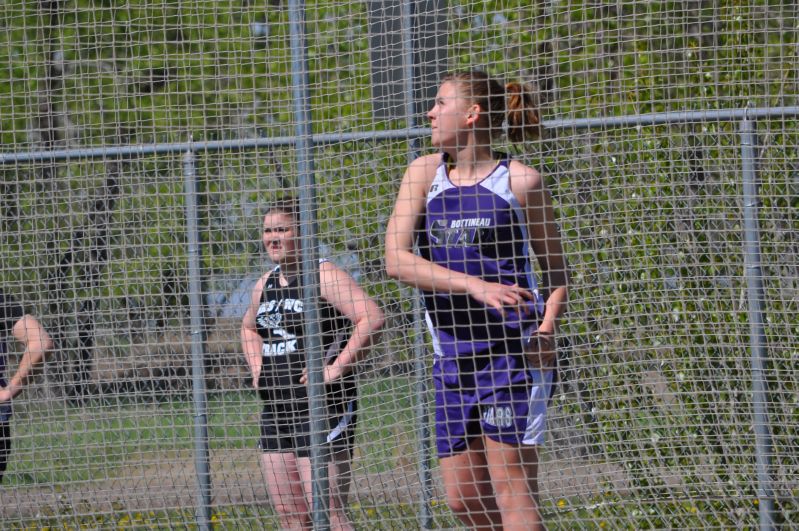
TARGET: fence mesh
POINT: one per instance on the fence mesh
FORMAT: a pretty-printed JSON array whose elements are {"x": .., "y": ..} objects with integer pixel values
[{"x": 653, "y": 422}]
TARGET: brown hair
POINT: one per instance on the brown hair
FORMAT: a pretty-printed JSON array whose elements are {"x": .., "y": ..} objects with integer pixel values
[
  {"x": 515, "y": 102},
  {"x": 288, "y": 205}
]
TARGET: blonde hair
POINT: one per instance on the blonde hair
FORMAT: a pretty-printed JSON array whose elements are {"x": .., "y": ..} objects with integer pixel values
[{"x": 515, "y": 103}]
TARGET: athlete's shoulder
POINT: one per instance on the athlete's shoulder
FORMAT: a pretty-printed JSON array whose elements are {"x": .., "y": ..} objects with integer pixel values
[
  {"x": 418, "y": 178},
  {"x": 432, "y": 160},
  {"x": 424, "y": 168},
  {"x": 258, "y": 289},
  {"x": 325, "y": 264},
  {"x": 523, "y": 179},
  {"x": 522, "y": 170}
]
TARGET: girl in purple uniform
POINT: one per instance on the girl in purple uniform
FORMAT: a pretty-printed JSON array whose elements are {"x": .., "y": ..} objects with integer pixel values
[
  {"x": 480, "y": 217},
  {"x": 272, "y": 337}
]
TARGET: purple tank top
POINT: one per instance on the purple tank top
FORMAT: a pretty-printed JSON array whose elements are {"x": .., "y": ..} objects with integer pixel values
[{"x": 479, "y": 230}]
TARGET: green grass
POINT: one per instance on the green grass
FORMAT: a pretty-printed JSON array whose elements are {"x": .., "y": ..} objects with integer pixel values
[
  {"x": 400, "y": 516},
  {"x": 608, "y": 513},
  {"x": 223, "y": 519},
  {"x": 57, "y": 443},
  {"x": 59, "y": 446}
]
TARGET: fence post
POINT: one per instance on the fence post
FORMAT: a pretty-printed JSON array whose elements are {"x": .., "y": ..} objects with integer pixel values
[
  {"x": 310, "y": 266},
  {"x": 757, "y": 334},
  {"x": 419, "y": 351},
  {"x": 201, "y": 464}
]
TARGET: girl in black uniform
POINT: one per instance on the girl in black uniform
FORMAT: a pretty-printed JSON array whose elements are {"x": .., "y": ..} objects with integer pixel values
[{"x": 273, "y": 343}]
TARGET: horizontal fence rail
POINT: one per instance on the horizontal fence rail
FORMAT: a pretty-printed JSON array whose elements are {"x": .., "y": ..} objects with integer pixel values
[{"x": 398, "y": 134}]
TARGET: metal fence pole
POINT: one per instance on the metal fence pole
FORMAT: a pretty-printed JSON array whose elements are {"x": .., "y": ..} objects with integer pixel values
[
  {"x": 201, "y": 460},
  {"x": 310, "y": 265},
  {"x": 419, "y": 351},
  {"x": 757, "y": 333},
  {"x": 422, "y": 415}
]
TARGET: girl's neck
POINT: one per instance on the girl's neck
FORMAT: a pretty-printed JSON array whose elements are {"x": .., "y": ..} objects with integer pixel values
[{"x": 471, "y": 164}]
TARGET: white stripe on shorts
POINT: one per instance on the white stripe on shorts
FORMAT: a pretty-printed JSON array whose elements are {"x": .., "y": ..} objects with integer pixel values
[
  {"x": 343, "y": 423},
  {"x": 535, "y": 432}
]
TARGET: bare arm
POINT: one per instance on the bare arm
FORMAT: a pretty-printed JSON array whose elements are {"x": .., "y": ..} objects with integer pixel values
[
  {"x": 341, "y": 291},
  {"x": 546, "y": 243},
  {"x": 30, "y": 333},
  {"x": 407, "y": 267},
  {"x": 251, "y": 342},
  {"x": 401, "y": 262}
]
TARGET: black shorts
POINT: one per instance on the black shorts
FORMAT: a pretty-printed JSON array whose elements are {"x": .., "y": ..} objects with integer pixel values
[
  {"x": 286, "y": 427},
  {"x": 5, "y": 447}
]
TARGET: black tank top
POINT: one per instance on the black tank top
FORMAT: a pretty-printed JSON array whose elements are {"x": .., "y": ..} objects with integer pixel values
[
  {"x": 280, "y": 321},
  {"x": 10, "y": 313}
]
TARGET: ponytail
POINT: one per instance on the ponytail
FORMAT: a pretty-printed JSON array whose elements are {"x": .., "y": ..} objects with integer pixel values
[
  {"x": 515, "y": 103},
  {"x": 521, "y": 113}
]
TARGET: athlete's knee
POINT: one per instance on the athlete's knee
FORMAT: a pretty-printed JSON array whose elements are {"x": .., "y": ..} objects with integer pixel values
[
  {"x": 468, "y": 496},
  {"x": 457, "y": 505},
  {"x": 339, "y": 521},
  {"x": 460, "y": 502},
  {"x": 290, "y": 510},
  {"x": 475, "y": 512},
  {"x": 511, "y": 497},
  {"x": 291, "y": 520}
]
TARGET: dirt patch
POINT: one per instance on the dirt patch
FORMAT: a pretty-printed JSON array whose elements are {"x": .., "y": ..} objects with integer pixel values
[{"x": 167, "y": 481}]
